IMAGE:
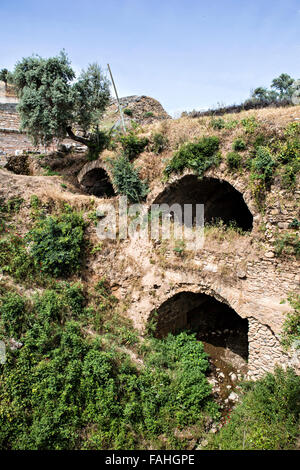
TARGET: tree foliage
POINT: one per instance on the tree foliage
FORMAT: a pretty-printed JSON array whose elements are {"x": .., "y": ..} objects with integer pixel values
[{"x": 52, "y": 103}]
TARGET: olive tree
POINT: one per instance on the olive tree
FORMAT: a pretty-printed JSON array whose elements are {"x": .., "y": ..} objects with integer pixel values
[
  {"x": 53, "y": 104},
  {"x": 283, "y": 84},
  {"x": 6, "y": 77}
]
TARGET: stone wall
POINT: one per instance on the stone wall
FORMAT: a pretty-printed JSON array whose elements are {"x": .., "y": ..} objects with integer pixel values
[
  {"x": 243, "y": 273},
  {"x": 12, "y": 141}
]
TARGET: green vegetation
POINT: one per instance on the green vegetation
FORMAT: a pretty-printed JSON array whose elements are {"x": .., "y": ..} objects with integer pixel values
[
  {"x": 57, "y": 243},
  {"x": 291, "y": 327},
  {"x": 249, "y": 124},
  {"x": 239, "y": 144},
  {"x": 217, "y": 123},
  {"x": 274, "y": 155},
  {"x": 287, "y": 244},
  {"x": 148, "y": 114},
  {"x": 234, "y": 160},
  {"x": 6, "y": 76},
  {"x": 52, "y": 103},
  {"x": 53, "y": 246},
  {"x": 197, "y": 156},
  {"x": 160, "y": 143},
  {"x": 127, "y": 181},
  {"x": 132, "y": 145},
  {"x": 267, "y": 418},
  {"x": 282, "y": 90},
  {"x": 127, "y": 111},
  {"x": 65, "y": 390},
  {"x": 220, "y": 123},
  {"x": 262, "y": 166}
]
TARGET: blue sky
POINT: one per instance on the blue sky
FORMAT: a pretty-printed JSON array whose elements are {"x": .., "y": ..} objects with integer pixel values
[{"x": 188, "y": 54}]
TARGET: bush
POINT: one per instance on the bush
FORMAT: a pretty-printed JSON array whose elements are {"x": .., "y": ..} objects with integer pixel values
[
  {"x": 263, "y": 165},
  {"x": 160, "y": 143},
  {"x": 289, "y": 176},
  {"x": 234, "y": 160},
  {"x": 12, "y": 314},
  {"x": 288, "y": 244},
  {"x": 198, "y": 156},
  {"x": 127, "y": 181},
  {"x": 267, "y": 418},
  {"x": 15, "y": 260},
  {"x": 57, "y": 243},
  {"x": 250, "y": 124},
  {"x": 133, "y": 145},
  {"x": 291, "y": 326},
  {"x": 148, "y": 114},
  {"x": 80, "y": 393},
  {"x": 99, "y": 141},
  {"x": 217, "y": 124},
  {"x": 239, "y": 144},
  {"x": 127, "y": 111}
]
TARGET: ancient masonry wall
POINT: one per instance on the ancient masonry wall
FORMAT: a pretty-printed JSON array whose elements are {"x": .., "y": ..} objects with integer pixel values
[
  {"x": 13, "y": 141},
  {"x": 253, "y": 286},
  {"x": 249, "y": 278}
]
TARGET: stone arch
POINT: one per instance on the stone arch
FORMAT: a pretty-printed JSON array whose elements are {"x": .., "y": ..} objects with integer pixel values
[
  {"x": 214, "y": 320},
  {"x": 220, "y": 198},
  {"x": 94, "y": 178}
]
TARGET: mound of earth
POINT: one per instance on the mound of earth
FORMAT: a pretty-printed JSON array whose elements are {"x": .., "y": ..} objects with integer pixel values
[{"x": 140, "y": 109}]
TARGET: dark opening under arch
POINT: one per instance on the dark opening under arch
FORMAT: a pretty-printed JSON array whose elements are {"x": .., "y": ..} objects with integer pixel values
[
  {"x": 214, "y": 321},
  {"x": 221, "y": 200},
  {"x": 97, "y": 182}
]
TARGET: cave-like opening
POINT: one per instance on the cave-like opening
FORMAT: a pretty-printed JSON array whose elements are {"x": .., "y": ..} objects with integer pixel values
[
  {"x": 215, "y": 322},
  {"x": 221, "y": 200},
  {"x": 97, "y": 182}
]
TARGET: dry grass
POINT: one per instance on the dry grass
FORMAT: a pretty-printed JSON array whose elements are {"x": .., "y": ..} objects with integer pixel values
[{"x": 271, "y": 121}]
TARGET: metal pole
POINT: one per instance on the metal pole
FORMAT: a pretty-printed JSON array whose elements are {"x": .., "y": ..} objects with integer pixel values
[{"x": 120, "y": 109}]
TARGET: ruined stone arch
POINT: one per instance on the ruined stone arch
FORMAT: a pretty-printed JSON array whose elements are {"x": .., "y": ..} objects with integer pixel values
[
  {"x": 207, "y": 314},
  {"x": 95, "y": 178},
  {"x": 222, "y": 199}
]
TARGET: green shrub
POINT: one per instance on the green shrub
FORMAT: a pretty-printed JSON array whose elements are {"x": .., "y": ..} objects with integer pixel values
[
  {"x": 292, "y": 129},
  {"x": 250, "y": 124},
  {"x": 148, "y": 114},
  {"x": 267, "y": 418},
  {"x": 15, "y": 259},
  {"x": 217, "y": 123},
  {"x": 260, "y": 140},
  {"x": 289, "y": 175},
  {"x": 127, "y": 111},
  {"x": 99, "y": 140},
  {"x": 133, "y": 145},
  {"x": 34, "y": 202},
  {"x": 287, "y": 244},
  {"x": 239, "y": 144},
  {"x": 57, "y": 243},
  {"x": 263, "y": 165},
  {"x": 197, "y": 156},
  {"x": 127, "y": 181},
  {"x": 234, "y": 160},
  {"x": 61, "y": 384},
  {"x": 288, "y": 151},
  {"x": 291, "y": 326},
  {"x": 231, "y": 124},
  {"x": 12, "y": 308},
  {"x": 295, "y": 223},
  {"x": 160, "y": 143}
]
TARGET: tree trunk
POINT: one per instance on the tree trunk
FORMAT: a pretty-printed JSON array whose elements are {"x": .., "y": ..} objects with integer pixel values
[{"x": 77, "y": 138}]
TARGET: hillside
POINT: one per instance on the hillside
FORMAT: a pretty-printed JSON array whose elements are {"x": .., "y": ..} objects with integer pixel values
[{"x": 90, "y": 318}]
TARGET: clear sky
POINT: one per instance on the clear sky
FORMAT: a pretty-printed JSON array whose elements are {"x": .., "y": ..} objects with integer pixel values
[{"x": 188, "y": 54}]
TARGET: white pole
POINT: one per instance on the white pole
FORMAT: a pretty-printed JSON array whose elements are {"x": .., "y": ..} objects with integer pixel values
[{"x": 120, "y": 109}]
